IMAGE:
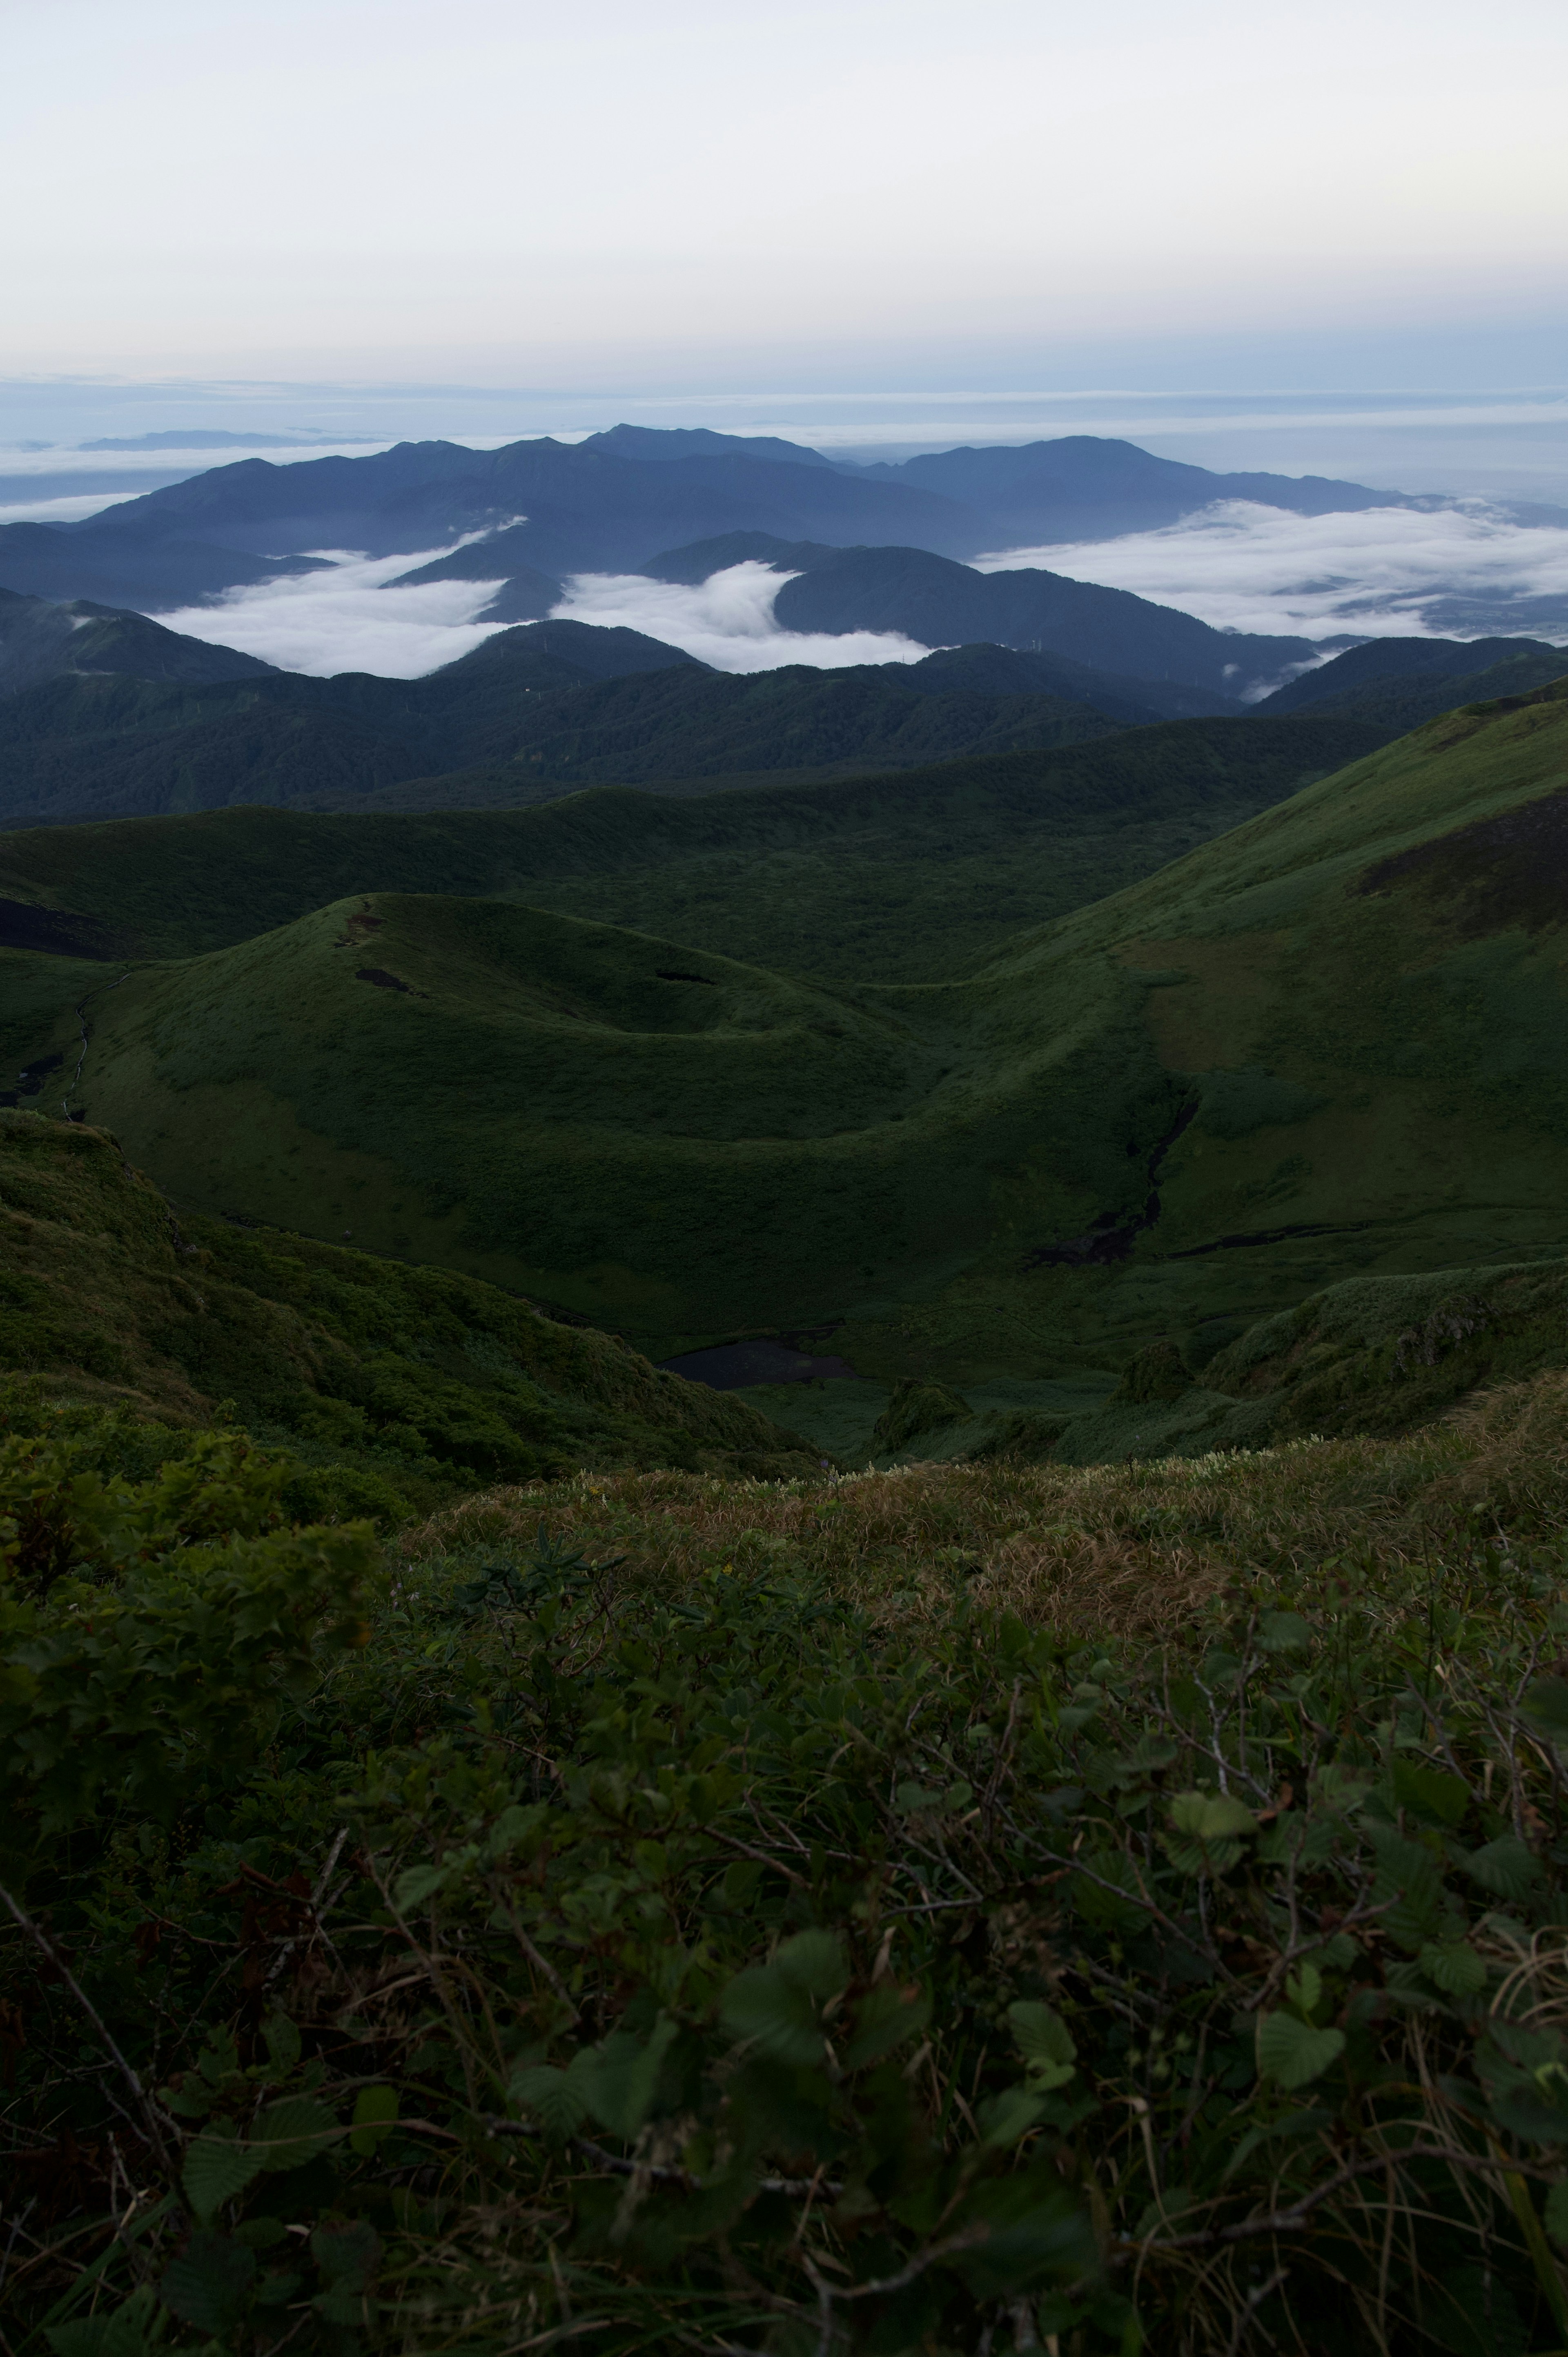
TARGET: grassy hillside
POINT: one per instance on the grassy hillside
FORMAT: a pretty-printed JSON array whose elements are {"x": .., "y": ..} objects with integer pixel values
[
  {"x": 1398, "y": 684},
  {"x": 1268, "y": 1068},
  {"x": 892, "y": 879},
  {"x": 395, "y": 1387}
]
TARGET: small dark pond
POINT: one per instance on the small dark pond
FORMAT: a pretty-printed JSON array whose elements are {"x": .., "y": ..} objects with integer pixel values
[{"x": 733, "y": 1366}]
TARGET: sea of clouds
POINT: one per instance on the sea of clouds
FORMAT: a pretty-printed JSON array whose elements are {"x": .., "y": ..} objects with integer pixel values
[
  {"x": 1462, "y": 571},
  {"x": 351, "y": 620}
]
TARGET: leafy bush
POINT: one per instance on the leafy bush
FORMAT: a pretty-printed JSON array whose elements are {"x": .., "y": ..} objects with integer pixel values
[{"x": 721, "y": 1970}]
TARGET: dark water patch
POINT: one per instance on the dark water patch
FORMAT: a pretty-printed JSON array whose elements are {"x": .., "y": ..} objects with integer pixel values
[
  {"x": 673, "y": 974},
  {"x": 734, "y": 1366},
  {"x": 56, "y": 932},
  {"x": 1112, "y": 1235},
  {"x": 385, "y": 980},
  {"x": 30, "y": 1084}
]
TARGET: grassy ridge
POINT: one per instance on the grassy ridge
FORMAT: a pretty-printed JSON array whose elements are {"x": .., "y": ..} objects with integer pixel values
[
  {"x": 888, "y": 877},
  {"x": 393, "y": 1386},
  {"x": 1266, "y": 1070},
  {"x": 84, "y": 748}
]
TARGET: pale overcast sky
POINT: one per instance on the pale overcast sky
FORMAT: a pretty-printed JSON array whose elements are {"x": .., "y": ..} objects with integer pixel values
[{"x": 541, "y": 194}]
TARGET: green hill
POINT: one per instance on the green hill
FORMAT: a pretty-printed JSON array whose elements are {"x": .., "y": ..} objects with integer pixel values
[
  {"x": 1271, "y": 1066},
  {"x": 1398, "y": 684},
  {"x": 891, "y": 877},
  {"x": 397, "y": 1387}
]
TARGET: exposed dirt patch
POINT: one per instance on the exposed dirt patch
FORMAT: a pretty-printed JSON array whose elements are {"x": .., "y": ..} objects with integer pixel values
[{"x": 1508, "y": 870}]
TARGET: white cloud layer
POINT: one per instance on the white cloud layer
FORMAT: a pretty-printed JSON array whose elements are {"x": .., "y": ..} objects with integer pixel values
[
  {"x": 1388, "y": 572},
  {"x": 1383, "y": 573},
  {"x": 726, "y": 621},
  {"x": 346, "y": 621}
]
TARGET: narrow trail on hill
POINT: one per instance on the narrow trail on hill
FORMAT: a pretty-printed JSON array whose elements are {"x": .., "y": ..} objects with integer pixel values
[{"x": 83, "y": 1006}]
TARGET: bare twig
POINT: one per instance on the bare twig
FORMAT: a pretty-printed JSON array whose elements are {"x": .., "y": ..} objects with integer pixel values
[{"x": 153, "y": 2123}]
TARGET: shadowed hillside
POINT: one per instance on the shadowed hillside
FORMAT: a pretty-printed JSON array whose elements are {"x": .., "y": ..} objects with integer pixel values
[
  {"x": 402, "y": 1385},
  {"x": 892, "y": 878},
  {"x": 1269, "y": 1067}
]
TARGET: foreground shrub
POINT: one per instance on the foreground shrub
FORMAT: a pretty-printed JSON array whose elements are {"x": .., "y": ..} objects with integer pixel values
[{"x": 720, "y": 1970}]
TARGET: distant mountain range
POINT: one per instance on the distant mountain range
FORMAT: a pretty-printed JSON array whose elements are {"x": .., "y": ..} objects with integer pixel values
[
  {"x": 110, "y": 714},
  {"x": 611, "y": 503}
]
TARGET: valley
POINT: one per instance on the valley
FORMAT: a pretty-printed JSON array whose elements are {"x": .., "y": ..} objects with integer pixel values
[{"x": 664, "y": 1323}]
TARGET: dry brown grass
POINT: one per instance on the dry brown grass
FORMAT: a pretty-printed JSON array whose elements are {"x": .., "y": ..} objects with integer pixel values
[{"x": 1129, "y": 1549}]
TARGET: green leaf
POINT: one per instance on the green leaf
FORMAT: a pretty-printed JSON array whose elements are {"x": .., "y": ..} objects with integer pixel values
[
  {"x": 814, "y": 1961},
  {"x": 1210, "y": 1817},
  {"x": 1009, "y": 2117},
  {"x": 1304, "y": 1987},
  {"x": 216, "y": 2168},
  {"x": 283, "y": 2045},
  {"x": 1283, "y": 1632},
  {"x": 557, "y": 2099},
  {"x": 1504, "y": 1866},
  {"x": 131, "y": 2330},
  {"x": 1546, "y": 1701},
  {"x": 1046, "y": 2043},
  {"x": 620, "y": 2080},
  {"x": 776, "y": 2007},
  {"x": 1454, "y": 1966},
  {"x": 293, "y": 2131},
  {"x": 210, "y": 2284},
  {"x": 1292, "y": 2054},
  {"x": 1407, "y": 1884},
  {"x": 1430, "y": 1792},
  {"x": 420, "y": 1883},
  {"x": 884, "y": 2019},
  {"x": 347, "y": 2255},
  {"x": 1557, "y": 2214},
  {"x": 375, "y": 2109}
]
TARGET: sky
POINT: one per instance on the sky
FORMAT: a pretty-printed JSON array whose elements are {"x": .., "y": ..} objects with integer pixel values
[
  {"x": 1241, "y": 233},
  {"x": 846, "y": 194}
]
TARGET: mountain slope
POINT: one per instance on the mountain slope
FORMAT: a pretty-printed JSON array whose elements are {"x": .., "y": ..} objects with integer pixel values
[
  {"x": 940, "y": 603},
  {"x": 1400, "y": 682},
  {"x": 397, "y": 1385},
  {"x": 1088, "y": 487},
  {"x": 40, "y": 641},
  {"x": 892, "y": 876},
  {"x": 609, "y": 503},
  {"x": 86, "y": 746},
  {"x": 1268, "y": 1068}
]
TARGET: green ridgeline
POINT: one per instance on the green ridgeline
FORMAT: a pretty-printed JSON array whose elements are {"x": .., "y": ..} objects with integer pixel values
[
  {"x": 888, "y": 877},
  {"x": 394, "y": 1388},
  {"x": 1373, "y": 1355},
  {"x": 99, "y": 748},
  {"x": 1333, "y": 1043}
]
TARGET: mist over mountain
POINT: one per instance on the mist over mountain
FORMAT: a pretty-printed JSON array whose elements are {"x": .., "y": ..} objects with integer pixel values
[
  {"x": 612, "y": 502},
  {"x": 939, "y": 602}
]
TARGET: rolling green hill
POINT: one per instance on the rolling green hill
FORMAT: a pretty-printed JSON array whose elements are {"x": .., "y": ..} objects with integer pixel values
[
  {"x": 1271, "y": 1066},
  {"x": 1398, "y": 684},
  {"x": 891, "y": 877},
  {"x": 398, "y": 1386}
]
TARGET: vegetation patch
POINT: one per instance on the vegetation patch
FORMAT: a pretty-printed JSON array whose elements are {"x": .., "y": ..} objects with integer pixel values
[{"x": 560, "y": 1929}]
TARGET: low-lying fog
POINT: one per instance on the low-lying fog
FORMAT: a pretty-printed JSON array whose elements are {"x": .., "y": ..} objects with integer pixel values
[{"x": 1399, "y": 572}]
